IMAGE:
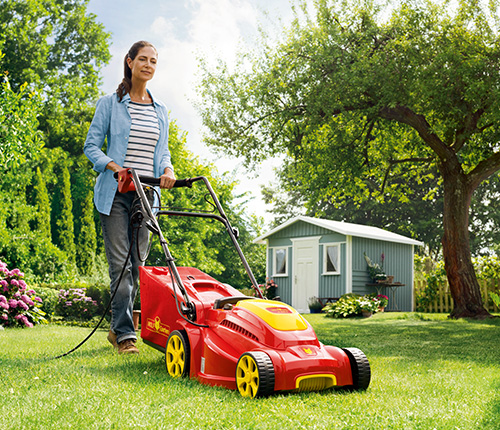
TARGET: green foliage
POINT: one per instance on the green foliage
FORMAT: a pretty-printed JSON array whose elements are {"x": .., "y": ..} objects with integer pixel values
[
  {"x": 65, "y": 237},
  {"x": 58, "y": 48},
  {"x": 487, "y": 267},
  {"x": 19, "y": 140},
  {"x": 49, "y": 297},
  {"x": 86, "y": 241},
  {"x": 42, "y": 205},
  {"x": 496, "y": 299},
  {"x": 434, "y": 275}
]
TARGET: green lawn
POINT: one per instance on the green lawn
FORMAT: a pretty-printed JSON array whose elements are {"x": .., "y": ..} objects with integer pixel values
[{"x": 427, "y": 373}]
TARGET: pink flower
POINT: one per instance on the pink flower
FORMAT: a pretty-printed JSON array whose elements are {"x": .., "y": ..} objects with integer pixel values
[
  {"x": 4, "y": 305},
  {"x": 38, "y": 299},
  {"x": 17, "y": 272},
  {"x": 22, "y": 305},
  {"x": 4, "y": 283},
  {"x": 4, "y": 317},
  {"x": 14, "y": 282},
  {"x": 13, "y": 303}
]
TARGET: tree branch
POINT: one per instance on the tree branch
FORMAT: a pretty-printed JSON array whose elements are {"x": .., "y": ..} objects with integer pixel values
[
  {"x": 418, "y": 122},
  {"x": 405, "y": 160},
  {"x": 469, "y": 128},
  {"x": 483, "y": 170}
]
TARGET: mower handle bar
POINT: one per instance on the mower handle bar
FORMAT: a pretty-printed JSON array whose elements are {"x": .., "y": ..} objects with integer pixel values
[
  {"x": 155, "y": 182},
  {"x": 149, "y": 180}
]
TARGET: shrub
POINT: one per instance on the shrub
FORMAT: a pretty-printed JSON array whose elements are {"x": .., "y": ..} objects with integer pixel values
[
  {"x": 49, "y": 297},
  {"x": 73, "y": 304},
  {"x": 350, "y": 305},
  {"x": 19, "y": 306}
]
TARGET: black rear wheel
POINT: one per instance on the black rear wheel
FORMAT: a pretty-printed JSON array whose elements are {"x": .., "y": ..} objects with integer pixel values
[{"x": 360, "y": 368}]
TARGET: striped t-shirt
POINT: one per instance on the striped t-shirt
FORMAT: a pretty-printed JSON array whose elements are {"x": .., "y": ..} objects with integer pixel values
[{"x": 144, "y": 134}]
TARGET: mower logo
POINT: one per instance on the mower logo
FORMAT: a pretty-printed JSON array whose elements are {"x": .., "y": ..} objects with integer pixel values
[
  {"x": 156, "y": 326},
  {"x": 278, "y": 310},
  {"x": 307, "y": 351}
]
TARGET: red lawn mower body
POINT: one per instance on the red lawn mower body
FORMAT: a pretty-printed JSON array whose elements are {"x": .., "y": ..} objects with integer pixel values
[
  {"x": 237, "y": 325},
  {"x": 210, "y": 332}
]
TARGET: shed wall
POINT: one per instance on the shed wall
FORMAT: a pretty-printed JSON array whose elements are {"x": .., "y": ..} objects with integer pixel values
[{"x": 398, "y": 262}]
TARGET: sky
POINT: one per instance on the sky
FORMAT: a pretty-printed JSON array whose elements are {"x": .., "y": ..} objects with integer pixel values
[{"x": 183, "y": 31}]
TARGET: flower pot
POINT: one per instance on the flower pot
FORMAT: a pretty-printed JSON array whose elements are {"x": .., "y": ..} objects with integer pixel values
[
  {"x": 315, "y": 310},
  {"x": 381, "y": 308},
  {"x": 390, "y": 279},
  {"x": 136, "y": 316},
  {"x": 366, "y": 314}
]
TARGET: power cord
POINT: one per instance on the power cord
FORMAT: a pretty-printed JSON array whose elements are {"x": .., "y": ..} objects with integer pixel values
[{"x": 136, "y": 231}]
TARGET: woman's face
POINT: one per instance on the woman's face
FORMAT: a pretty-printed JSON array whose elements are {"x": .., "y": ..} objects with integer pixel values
[{"x": 143, "y": 66}]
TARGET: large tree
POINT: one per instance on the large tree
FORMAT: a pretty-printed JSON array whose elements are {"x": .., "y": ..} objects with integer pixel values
[
  {"x": 57, "y": 48},
  {"x": 367, "y": 100}
]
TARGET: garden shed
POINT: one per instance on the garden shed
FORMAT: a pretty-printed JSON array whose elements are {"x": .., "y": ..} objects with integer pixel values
[{"x": 312, "y": 257}]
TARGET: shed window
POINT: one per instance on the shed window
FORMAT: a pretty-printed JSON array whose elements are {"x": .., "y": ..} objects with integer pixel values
[
  {"x": 280, "y": 263},
  {"x": 331, "y": 259}
]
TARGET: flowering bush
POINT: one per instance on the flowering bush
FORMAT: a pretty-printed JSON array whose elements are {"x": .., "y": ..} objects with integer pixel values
[
  {"x": 271, "y": 289},
  {"x": 350, "y": 305},
  {"x": 19, "y": 306},
  {"x": 74, "y": 304}
]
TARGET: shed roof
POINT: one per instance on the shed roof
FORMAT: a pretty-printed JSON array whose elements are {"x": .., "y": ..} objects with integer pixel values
[{"x": 346, "y": 229}]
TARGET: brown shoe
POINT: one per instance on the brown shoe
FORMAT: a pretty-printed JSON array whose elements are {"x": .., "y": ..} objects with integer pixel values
[
  {"x": 112, "y": 339},
  {"x": 127, "y": 347}
]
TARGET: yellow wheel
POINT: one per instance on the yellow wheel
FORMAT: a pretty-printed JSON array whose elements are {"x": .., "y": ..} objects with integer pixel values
[
  {"x": 255, "y": 374},
  {"x": 177, "y": 354}
]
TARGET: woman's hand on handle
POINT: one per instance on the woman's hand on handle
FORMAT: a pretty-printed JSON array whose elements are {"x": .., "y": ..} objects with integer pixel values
[{"x": 167, "y": 180}]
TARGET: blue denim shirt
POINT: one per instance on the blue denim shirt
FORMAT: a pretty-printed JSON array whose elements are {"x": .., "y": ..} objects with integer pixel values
[{"x": 112, "y": 122}]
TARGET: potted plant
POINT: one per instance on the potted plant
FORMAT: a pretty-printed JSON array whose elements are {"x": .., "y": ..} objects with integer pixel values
[
  {"x": 368, "y": 306},
  {"x": 315, "y": 305},
  {"x": 383, "y": 301},
  {"x": 375, "y": 270}
]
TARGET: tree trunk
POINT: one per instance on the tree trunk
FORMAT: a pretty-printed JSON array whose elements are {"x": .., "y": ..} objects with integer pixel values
[{"x": 456, "y": 248}]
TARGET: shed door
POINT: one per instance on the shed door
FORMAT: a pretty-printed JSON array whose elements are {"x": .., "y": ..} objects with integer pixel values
[{"x": 305, "y": 272}]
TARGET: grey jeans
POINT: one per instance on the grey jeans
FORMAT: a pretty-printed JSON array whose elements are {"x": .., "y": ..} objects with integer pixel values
[{"x": 117, "y": 233}]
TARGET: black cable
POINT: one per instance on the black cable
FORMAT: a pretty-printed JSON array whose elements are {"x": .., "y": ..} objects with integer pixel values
[{"x": 110, "y": 300}]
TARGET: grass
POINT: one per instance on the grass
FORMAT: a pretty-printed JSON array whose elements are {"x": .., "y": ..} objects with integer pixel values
[{"x": 427, "y": 373}]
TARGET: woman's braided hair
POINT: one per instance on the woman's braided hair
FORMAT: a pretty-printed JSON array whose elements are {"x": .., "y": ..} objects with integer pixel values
[{"x": 126, "y": 83}]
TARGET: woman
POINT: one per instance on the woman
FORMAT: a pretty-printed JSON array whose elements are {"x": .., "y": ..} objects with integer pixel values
[{"x": 135, "y": 126}]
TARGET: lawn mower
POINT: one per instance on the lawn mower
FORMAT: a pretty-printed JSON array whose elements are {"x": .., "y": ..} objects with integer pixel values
[{"x": 209, "y": 331}]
